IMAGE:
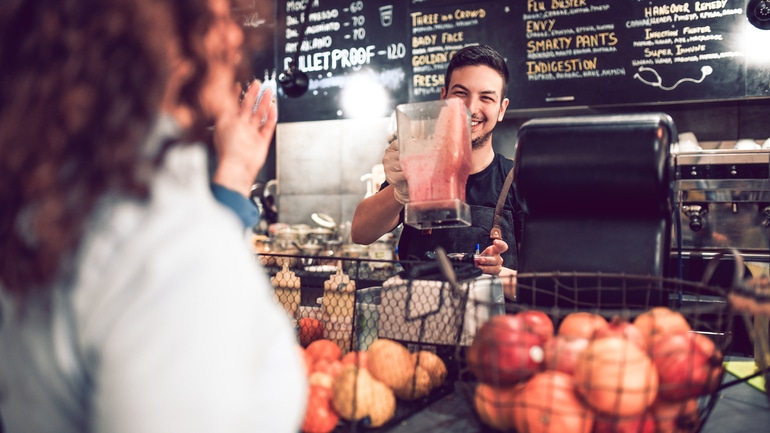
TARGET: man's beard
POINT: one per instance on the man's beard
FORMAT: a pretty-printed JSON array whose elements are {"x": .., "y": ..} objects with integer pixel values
[{"x": 478, "y": 142}]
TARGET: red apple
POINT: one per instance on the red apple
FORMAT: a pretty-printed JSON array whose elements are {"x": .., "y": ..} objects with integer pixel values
[
  {"x": 689, "y": 365},
  {"x": 623, "y": 328},
  {"x": 537, "y": 322},
  {"x": 562, "y": 351},
  {"x": 503, "y": 352}
]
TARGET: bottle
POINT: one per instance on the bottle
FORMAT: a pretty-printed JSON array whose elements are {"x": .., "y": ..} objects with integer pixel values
[
  {"x": 287, "y": 289},
  {"x": 338, "y": 304}
]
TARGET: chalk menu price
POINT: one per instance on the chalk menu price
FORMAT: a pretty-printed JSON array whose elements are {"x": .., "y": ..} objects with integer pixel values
[
  {"x": 604, "y": 52},
  {"x": 346, "y": 42},
  {"x": 439, "y": 28}
]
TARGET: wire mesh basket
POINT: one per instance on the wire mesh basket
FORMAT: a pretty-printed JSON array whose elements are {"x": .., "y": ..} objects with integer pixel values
[
  {"x": 667, "y": 381},
  {"x": 594, "y": 352},
  {"x": 398, "y": 323}
]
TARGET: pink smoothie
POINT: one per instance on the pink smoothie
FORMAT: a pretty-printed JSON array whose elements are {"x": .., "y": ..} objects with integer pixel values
[{"x": 441, "y": 170}]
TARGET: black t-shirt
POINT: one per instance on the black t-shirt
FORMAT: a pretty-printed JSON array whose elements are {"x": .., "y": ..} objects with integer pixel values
[{"x": 483, "y": 188}]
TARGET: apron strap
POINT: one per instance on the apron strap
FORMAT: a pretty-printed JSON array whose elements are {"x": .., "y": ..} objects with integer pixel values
[{"x": 496, "y": 233}]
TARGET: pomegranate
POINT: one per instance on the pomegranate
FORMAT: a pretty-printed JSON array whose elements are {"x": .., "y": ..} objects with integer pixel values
[
  {"x": 495, "y": 405},
  {"x": 581, "y": 324},
  {"x": 616, "y": 377},
  {"x": 623, "y": 328},
  {"x": 689, "y": 365},
  {"x": 503, "y": 352},
  {"x": 660, "y": 321},
  {"x": 547, "y": 403},
  {"x": 562, "y": 351},
  {"x": 538, "y": 323}
]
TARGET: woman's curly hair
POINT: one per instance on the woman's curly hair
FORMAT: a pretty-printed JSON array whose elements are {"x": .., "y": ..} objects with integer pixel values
[{"x": 81, "y": 82}]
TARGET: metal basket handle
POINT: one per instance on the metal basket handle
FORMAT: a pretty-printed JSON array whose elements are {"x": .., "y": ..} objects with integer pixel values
[{"x": 711, "y": 267}]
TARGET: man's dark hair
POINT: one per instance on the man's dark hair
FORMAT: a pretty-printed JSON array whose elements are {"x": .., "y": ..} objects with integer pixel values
[{"x": 478, "y": 55}]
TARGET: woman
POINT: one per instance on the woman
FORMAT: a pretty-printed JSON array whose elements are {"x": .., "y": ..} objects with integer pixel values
[{"x": 128, "y": 300}]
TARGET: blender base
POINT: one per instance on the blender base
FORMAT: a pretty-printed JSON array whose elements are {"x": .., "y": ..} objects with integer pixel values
[{"x": 437, "y": 214}]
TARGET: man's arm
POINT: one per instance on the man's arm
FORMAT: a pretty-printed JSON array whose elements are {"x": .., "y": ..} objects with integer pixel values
[
  {"x": 379, "y": 213},
  {"x": 375, "y": 216}
]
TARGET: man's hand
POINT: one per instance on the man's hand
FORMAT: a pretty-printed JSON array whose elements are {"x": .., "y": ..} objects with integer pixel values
[
  {"x": 490, "y": 260},
  {"x": 242, "y": 138},
  {"x": 393, "y": 172}
]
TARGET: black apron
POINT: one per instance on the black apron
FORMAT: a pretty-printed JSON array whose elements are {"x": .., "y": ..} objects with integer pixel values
[{"x": 488, "y": 224}]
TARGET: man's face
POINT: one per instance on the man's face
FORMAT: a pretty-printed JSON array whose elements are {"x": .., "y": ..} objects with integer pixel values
[{"x": 480, "y": 87}]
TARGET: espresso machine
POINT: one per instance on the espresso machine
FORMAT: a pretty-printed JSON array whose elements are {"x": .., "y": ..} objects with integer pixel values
[
  {"x": 723, "y": 201},
  {"x": 722, "y": 204}
]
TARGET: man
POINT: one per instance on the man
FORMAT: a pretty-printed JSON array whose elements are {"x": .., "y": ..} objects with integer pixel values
[{"x": 479, "y": 76}]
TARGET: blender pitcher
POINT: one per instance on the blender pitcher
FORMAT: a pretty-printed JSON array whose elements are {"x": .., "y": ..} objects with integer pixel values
[{"x": 434, "y": 140}]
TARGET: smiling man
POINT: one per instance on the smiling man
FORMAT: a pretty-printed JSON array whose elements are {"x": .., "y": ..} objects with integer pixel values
[{"x": 479, "y": 76}]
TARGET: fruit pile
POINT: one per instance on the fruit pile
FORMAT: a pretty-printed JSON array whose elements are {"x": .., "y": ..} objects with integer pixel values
[
  {"x": 592, "y": 375},
  {"x": 364, "y": 385}
]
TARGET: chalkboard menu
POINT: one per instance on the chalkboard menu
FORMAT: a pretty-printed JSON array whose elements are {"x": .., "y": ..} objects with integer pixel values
[
  {"x": 438, "y": 28},
  {"x": 354, "y": 53},
  {"x": 605, "y": 52},
  {"x": 560, "y": 53}
]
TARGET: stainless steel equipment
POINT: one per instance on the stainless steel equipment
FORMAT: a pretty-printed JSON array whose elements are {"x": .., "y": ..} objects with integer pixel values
[
  {"x": 723, "y": 198},
  {"x": 723, "y": 201}
]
